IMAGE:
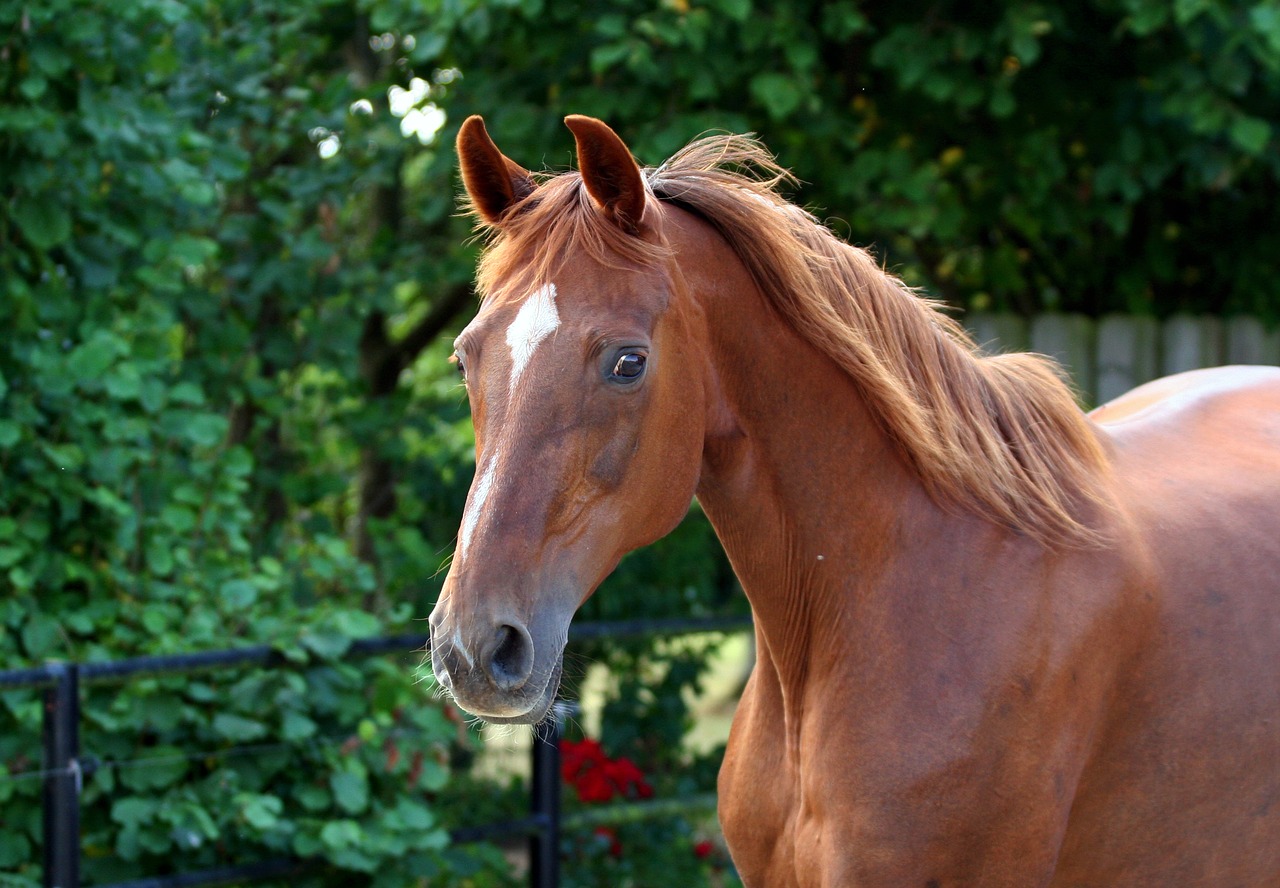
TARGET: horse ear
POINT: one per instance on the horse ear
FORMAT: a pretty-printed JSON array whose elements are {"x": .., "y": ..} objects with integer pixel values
[
  {"x": 610, "y": 173},
  {"x": 493, "y": 181}
]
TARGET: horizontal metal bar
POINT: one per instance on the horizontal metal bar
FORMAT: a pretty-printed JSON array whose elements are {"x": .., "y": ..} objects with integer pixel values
[
  {"x": 520, "y": 826},
  {"x": 34, "y": 677},
  {"x": 258, "y": 655},
  {"x": 391, "y": 644},
  {"x": 261, "y": 655}
]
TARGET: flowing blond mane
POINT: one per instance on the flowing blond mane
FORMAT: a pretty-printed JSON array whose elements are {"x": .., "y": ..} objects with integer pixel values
[{"x": 1000, "y": 435}]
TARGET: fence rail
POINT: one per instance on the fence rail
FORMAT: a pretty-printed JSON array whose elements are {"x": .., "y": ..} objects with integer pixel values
[
  {"x": 1108, "y": 356},
  {"x": 64, "y": 766}
]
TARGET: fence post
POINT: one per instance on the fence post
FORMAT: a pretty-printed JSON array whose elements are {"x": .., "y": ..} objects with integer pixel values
[
  {"x": 63, "y": 779},
  {"x": 1128, "y": 355},
  {"x": 544, "y": 845},
  {"x": 1191, "y": 342},
  {"x": 1068, "y": 339}
]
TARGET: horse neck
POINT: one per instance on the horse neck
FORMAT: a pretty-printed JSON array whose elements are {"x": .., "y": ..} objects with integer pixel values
[{"x": 806, "y": 493}]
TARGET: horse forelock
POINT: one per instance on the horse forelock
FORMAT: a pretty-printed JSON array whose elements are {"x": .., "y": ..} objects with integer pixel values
[
  {"x": 999, "y": 435},
  {"x": 553, "y": 225}
]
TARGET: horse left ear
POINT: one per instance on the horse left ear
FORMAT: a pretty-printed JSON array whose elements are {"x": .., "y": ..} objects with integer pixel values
[{"x": 610, "y": 173}]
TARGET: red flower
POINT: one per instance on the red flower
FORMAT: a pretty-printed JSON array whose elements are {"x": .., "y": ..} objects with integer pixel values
[
  {"x": 627, "y": 778},
  {"x": 703, "y": 849},
  {"x": 576, "y": 756},
  {"x": 596, "y": 777},
  {"x": 623, "y": 771},
  {"x": 594, "y": 786}
]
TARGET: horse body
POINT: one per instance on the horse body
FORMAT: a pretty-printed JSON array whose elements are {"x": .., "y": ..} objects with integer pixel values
[
  {"x": 940, "y": 698},
  {"x": 989, "y": 712}
]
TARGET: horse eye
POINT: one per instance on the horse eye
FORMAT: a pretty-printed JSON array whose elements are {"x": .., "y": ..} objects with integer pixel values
[
  {"x": 630, "y": 366},
  {"x": 457, "y": 362}
]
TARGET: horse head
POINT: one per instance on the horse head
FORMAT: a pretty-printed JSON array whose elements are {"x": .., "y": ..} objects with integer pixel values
[{"x": 588, "y": 407}]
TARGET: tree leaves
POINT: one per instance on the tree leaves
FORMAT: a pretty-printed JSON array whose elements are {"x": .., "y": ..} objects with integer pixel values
[
  {"x": 45, "y": 224},
  {"x": 779, "y": 93},
  {"x": 1251, "y": 134},
  {"x": 182, "y": 292},
  {"x": 238, "y": 728},
  {"x": 350, "y": 788}
]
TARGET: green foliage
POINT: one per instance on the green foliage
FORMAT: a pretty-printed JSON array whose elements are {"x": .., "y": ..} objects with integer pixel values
[
  {"x": 645, "y": 852},
  {"x": 1118, "y": 155},
  {"x": 186, "y": 282},
  {"x": 333, "y": 761}
]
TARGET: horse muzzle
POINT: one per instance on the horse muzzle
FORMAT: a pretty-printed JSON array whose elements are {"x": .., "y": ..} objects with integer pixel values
[{"x": 500, "y": 672}]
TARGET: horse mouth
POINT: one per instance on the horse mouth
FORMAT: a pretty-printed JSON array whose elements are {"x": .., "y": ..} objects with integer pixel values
[{"x": 537, "y": 712}]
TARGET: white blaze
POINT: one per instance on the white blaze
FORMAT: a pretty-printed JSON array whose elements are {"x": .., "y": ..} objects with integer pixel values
[
  {"x": 478, "y": 495},
  {"x": 535, "y": 321}
]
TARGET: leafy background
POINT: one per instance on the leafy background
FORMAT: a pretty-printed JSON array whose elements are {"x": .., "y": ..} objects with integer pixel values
[{"x": 231, "y": 265}]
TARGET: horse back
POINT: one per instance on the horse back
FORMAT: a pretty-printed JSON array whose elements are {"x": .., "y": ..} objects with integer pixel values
[
  {"x": 1191, "y": 753},
  {"x": 1196, "y": 460}
]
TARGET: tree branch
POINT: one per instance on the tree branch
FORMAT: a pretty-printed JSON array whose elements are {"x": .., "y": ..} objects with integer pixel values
[{"x": 448, "y": 307}]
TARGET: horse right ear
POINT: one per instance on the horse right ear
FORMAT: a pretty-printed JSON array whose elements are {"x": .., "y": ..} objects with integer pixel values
[{"x": 494, "y": 182}]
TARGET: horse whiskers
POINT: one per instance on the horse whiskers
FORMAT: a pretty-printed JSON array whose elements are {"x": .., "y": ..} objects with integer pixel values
[{"x": 444, "y": 565}]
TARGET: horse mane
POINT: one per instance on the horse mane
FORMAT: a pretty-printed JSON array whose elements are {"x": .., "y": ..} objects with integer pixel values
[{"x": 998, "y": 435}]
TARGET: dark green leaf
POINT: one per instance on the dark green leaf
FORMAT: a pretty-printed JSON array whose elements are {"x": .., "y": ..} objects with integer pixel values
[
  {"x": 237, "y": 728},
  {"x": 350, "y": 790},
  {"x": 44, "y": 222},
  {"x": 777, "y": 92}
]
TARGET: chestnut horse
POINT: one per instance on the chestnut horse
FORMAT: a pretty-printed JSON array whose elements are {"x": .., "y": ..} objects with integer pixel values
[{"x": 1000, "y": 642}]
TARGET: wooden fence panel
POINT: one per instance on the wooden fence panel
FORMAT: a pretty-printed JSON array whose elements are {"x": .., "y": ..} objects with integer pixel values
[
  {"x": 998, "y": 333},
  {"x": 1249, "y": 342},
  {"x": 1191, "y": 343},
  {"x": 1128, "y": 355},
  {"x": 1068, "y": 339},
  {"x": 1110, "y": 357}
]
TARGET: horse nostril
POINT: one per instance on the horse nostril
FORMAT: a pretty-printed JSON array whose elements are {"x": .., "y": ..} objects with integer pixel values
[{"x": 512, "y": 661}]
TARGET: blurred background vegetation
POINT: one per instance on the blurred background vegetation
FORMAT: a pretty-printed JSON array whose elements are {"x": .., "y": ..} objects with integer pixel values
[{"x": 231, "y": 266}]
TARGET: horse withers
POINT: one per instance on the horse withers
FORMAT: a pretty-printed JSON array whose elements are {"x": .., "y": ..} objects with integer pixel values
[{"x": 1000, "y": 642}]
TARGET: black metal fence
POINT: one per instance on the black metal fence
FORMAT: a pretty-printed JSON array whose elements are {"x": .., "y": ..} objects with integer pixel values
[{"x": 65, "y": 767}]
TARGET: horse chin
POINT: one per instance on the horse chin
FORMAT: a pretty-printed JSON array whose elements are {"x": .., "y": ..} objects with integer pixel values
[{"x": 539, "y": 710}]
